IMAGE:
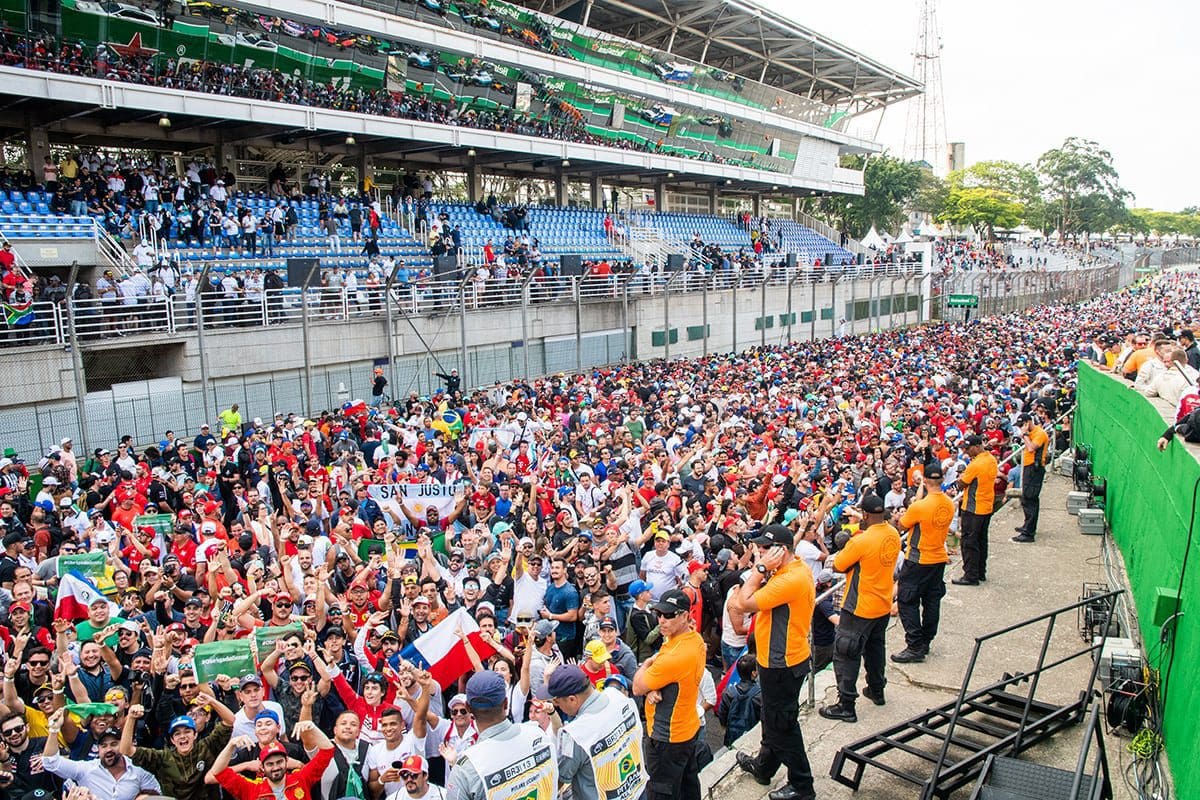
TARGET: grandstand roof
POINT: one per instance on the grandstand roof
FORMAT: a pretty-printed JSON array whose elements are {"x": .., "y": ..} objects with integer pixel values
[{"x": 743, "y": 38}]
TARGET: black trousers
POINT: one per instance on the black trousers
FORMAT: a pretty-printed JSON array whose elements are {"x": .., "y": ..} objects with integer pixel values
[
  {"x": 1032, "y": 478},
  {"x": 674, "y": 773},
  {"x": 859, "y": 640},
  {"x": 782, "y": 740},
  {"x": 921, "y": 589},
  {"x": 974, "y": 530}
]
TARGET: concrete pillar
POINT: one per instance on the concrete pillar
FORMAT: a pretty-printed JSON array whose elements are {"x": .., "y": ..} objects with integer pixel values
[
  {"x": 561, "y": 192},
  {"x": 660, "y": 197},
  {"x": 714, "y": 197},
  {"x": 39, "y": 148},
  {"x": 757, "y": 200},
  {"x": 474, "y": 181},
  {"x": 597, "y": 191}
]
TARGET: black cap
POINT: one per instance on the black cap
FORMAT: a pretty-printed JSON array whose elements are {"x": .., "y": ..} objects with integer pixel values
[
  {"x": 1023, "y": 418},
  {"x": 775, "y": 534},
  {"x": 107, "y": 732},
  {"x": 973, "y": 441},
  {"x": 934, "y": 470},
  {"x": 872, "y": 504},
  {"x": 675, "y": 600}
]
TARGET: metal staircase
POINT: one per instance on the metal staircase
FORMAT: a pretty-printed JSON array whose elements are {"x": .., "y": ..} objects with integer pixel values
[
  {"x": 111, "y": 252},
  {"x": 1007, "y": 778},
  {"x": 946, "y": 748}
]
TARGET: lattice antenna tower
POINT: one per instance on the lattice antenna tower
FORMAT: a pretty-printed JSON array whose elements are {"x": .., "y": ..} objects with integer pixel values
[{"x": 925, "y": 133}]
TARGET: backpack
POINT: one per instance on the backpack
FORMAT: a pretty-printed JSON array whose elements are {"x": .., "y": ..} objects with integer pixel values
[{"x": 349, "y": 781}]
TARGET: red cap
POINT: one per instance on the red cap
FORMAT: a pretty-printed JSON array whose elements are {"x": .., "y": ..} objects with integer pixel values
[
  {"x": 190, "y": 643},
  {"x": 273, "y": 749},
  {"x": 20, "y": 606},
  {"x": 414, "y": 764},
  {"x": 211, "y": 507},
  {"x": 146, "y": 529},
  {"x": 176, "y": 627},
  {"x": 184, "y": 513},
  {"x": 696, "y": 566},
  {"x": 283, "y": 596}
]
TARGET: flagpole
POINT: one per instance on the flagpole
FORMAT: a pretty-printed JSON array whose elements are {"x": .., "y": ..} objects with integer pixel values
[{"x": 77, "y": 360}]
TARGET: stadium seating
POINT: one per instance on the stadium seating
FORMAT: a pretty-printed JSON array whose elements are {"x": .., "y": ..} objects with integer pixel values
[
  {"x": 807, "y": 243},
  {"x": 558, "y": 230},
  {"x": 713, "y": 230}
]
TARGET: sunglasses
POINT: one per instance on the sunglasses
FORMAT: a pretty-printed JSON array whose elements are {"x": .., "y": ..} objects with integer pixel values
[
  {"x": 409, "y": 776},
  {"x": 283, "y": 605},
  {"x": 39, "y": 663},
  {"x": 460, "y": 712},
  {"x": 18, "y": 729},
  {"x": 665, "y": 615},
  {"x": 188, "y": 685}
]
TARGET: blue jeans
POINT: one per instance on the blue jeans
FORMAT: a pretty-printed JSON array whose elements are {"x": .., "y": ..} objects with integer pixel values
[
  {"x": 621, "y": 611},
  {"x": 729, "y": 655}
]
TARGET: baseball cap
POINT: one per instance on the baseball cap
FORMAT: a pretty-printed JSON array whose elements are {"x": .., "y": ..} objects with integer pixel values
[
  {"x": 637, "y": 587},
  {"x": 608, "y": 622},
  {"x": 567, "y": 680},
  {"x": 486, "y": 690},
  {"x": 775, "y": 535},
  {"x": 872, "y": 504},
  {"x": 545, "y": 627},
  {"x": 411, "y": 764},
  {"x": 20, "y": 607},
  {"x": 973, "y": 441},
  {"x": 934, "y": 470},
  {"x": 273, "y": 749},
  {"x": 673, "y": 602},
  {"x": 661, "y": 534},
  {"x": 459, "y": 699},
  {"x": 596, "y": 651},
  {"x": 267, "y": 713},
  {"x": 696, "y": 566},
  {"x": 252, "y": 680},
  {"x": 300, "y": 664},
  {"x": 113, "y": 732},
  {"x": 181, "y": 722},
  {"x": 1024, "y": 418}
]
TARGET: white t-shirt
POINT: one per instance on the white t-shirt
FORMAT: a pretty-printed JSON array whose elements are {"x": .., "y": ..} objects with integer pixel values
[
  {"x": 529, "y": 594},
  {"x": 730, "y": 637},
  {"x": 810, "y": 554},
  {"x": 380, "y": 757},
  {"x": 663, "y": 572}
]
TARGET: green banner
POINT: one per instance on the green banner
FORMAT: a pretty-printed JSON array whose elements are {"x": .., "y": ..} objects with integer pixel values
[
  {"x": 231, "y": 657},
  {"x": 89, "y": 565},
  {"x": 265, "y": 638},
  {"x": 163, "y": 524},
  {"x": 83, "y": 710}
]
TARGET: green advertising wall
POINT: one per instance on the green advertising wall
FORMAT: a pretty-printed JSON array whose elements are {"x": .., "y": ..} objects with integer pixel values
[{"x": 1150, "y": 509}]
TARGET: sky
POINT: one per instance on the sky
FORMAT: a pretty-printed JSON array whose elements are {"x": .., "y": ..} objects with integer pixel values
[{"x": 1020, "y": 77}]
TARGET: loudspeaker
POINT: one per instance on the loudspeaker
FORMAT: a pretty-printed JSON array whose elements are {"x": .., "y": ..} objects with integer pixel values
[
  {"x": 444, "y": 266},
  {"x": 570, "y": 266},
  {"x": 674, "y": 262},
  {"x": 792, "y": 261},
  {"x": 302, "y": 270},
  {"x": 860, "y": 259}
]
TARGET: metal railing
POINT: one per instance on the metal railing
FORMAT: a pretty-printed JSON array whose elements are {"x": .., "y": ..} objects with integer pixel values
[{"x": 110, "y": 249}]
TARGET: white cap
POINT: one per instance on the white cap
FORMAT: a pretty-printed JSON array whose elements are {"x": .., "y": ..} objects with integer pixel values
[{"x": 65, "y": 440}]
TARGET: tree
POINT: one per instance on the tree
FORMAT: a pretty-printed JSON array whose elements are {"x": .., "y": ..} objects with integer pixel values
[
  {"x": 1082, "y": 187},
  {"x": 888, "y": 186},
  {"x": 982, "y": 208}
]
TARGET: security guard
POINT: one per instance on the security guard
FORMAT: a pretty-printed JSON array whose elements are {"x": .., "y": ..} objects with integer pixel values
[
  {"x": 922, "y": 582},
  {"x": 976, "y": 504},
  {"x": 1033, "y": 473},
  {"x": 670, "y": 682},
  {"x": 779, "y": 591},
  {"x": 869, "y": 561},
  {"x": 600, "y": 746},
  {"x": 507, "y": 760}
]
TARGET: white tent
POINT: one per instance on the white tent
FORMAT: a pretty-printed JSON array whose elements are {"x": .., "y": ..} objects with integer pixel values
[{"x": 874, "y": 240}]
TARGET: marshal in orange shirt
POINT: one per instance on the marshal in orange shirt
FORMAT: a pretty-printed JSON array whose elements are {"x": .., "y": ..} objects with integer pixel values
[
  {"x": 676, "y": 674},
  {"x": 785, "y": 604},
  {"x": 979, "y": 484},
  {"x": 928, "y": 521},
  {"x": 869, "y": 561},
  {"x": 1041, "y": 443}
]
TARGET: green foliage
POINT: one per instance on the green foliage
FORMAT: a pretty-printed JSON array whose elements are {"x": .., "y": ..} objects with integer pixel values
[
  {"x": 984, "y": 209},
  {"x": 1165, "y": 223},
  {"x": 889, "y": 185},
  {"x": 1082, "y": 188}
]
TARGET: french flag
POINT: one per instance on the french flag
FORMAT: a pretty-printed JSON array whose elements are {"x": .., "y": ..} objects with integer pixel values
[
  {"x": 441, "y": 651},
  {"x": 76, "y": 595}
]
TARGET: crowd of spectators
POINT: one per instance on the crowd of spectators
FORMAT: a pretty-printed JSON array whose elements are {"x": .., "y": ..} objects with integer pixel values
[
  {"x": 46, "y": 53},
  {"x": 571, "y": 504}
]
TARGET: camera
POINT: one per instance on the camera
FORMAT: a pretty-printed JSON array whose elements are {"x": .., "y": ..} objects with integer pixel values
[{"x": 137, "y": 676}]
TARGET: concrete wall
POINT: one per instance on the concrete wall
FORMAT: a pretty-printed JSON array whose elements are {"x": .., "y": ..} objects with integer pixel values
[{"x": 156, "y": 378}]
